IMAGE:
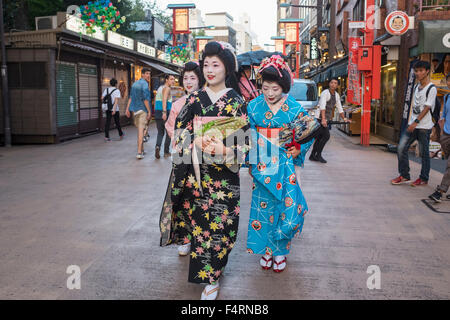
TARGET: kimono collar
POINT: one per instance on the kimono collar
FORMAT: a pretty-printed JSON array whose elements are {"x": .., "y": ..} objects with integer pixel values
[{"x": 215, "y": 96}]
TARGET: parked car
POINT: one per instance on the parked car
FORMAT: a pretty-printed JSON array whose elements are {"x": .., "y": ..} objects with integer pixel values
[{"x": 305, "y": 92}]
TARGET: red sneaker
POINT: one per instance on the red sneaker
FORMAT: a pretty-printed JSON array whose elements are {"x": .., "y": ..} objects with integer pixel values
[
  {"x": 399, "y": 180},
  {"x": 419, "y": 182}
]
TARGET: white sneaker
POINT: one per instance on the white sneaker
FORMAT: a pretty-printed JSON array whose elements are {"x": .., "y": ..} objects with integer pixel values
[
  {"x": 279, "y": 263},
  {"x": 140, "y": 156},
  {"x": 211, "y": 291},
  {"x": 184, "y": 249}
]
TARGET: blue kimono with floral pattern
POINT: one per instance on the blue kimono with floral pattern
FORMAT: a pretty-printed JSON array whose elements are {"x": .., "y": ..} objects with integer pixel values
[{"x": 278, "y": 206}]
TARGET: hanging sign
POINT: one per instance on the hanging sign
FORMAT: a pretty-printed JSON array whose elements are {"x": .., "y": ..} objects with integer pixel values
[
  {"x": 145, "y": 49},
  {"x": 120, "y": 40},
  {"x": 354, "y": 77},
  {"x": 291, "y": 32},
  {"x": 397, "y": 23},
  {"x": 313, "y": 49},
  {"x": 181, "y": 20}
]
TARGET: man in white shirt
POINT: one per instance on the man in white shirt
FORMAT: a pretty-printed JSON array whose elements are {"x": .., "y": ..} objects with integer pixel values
[
  {"x": 419, "y": 128},
  {"x": 329, "y": 99},
  {"x": 113, "y": 112}
]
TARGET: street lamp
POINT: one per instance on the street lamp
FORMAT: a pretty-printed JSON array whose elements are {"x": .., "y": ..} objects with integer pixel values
[{"x": 180, "y": 19}]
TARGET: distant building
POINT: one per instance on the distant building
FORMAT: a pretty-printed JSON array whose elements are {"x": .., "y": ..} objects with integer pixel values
[
  {"x": 146, "y": 33},
  {"x": 224, "y": 27},
  {"x": 244, "y": 39}
]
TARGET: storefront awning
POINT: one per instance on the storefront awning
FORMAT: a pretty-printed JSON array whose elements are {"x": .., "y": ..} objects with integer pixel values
[
  {"x": 340, "y": 70},
  {"x": 434, "y": 36},
  {"x": 161, "y": 68}
]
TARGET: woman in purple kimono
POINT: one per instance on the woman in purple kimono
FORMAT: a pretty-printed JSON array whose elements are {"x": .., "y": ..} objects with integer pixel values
[{"x": 278, "y": 205}]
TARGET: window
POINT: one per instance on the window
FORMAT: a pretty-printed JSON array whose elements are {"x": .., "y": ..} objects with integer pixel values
[
  {"x": 358, "y": 11},
  {"x": 27, "y": 75},
  {"x": 304, "y": 91}
]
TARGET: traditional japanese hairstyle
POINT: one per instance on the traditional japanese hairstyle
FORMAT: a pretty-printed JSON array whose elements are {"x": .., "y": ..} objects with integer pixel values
[
  {"x": 275, "y": 69},
  {"x": 225, "y": 52},
  {"x": 195, "y": 67}
]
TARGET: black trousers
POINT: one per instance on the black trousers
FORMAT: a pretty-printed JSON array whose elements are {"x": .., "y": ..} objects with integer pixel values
[
  {"x": 108, "y": 123},
  {"x": 160, "y": 125},
  {"x": 321, "y": 140}
]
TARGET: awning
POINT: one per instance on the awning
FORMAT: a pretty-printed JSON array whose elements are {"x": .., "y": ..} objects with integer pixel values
[
  {"x": 161, "y": 68},
  {"x": 434, "y": 36},
  {"x": 340, "y": 70},
  {"x": 82, "y": 46}
]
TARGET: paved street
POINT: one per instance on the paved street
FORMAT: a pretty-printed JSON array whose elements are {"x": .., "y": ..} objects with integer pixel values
[{"x": 91, "y": 204}]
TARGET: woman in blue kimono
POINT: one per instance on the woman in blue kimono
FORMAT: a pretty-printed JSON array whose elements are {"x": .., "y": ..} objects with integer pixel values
[{"x": 278, "y": 205}]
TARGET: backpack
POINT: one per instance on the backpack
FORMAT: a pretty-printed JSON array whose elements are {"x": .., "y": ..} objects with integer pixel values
[
  {"x": 108, "y": 101},
  {"x": 436, "y": 113}
]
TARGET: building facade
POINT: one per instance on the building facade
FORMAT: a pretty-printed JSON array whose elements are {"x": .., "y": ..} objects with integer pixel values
[{"x": 223, "y": 27}]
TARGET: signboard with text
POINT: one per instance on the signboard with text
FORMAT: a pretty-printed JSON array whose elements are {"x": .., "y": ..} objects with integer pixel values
[
  {"x": 181, "y": 20},
  {"x": 75, "y": 24},
  {"x": 145, "y": 49},
  {"x": 354, "y": 78},
  {"x": 120, "y": 40},
  {"x": 291, "y": 32}
]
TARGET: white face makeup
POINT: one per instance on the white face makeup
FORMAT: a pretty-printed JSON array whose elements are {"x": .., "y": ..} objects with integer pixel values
[
  {"x": 272, "y": 91},
  {"x": 190, "y": 82},
  {"x": 214, "y": 71}
]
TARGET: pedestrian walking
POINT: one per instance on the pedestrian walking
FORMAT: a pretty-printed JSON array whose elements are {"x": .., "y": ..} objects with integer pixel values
[
  {"x": 139, "y": 104},
  {"x": 209, "y": 218},
  {"x": 444, "y": 125},
  {"x": 278, "y": 205},
  {"x": 329, "y": 100},
  {"x": 163, "y": 104},
  {"x": 110, "y": 99},
  {"x": 191, "y": 80},
  {"x": 420, "y": 124}
]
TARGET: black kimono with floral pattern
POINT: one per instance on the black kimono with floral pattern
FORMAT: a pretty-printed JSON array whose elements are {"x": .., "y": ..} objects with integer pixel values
[{"x": 206, "y": 212}]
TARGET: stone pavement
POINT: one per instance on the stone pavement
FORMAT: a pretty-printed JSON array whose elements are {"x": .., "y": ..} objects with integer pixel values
[{"x": 92, "y": 204}]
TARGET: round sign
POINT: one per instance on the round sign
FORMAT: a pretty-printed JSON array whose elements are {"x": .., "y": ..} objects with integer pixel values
[
  {"x": 446, "y": 40},
  {"x": 397, "y": 23}
]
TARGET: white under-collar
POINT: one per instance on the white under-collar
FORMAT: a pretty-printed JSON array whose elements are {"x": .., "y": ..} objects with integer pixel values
[{"x": 215, "y": 96}]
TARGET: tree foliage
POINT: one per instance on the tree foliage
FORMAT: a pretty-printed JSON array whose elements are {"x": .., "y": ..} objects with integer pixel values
[{"x": 20, "y": 14}]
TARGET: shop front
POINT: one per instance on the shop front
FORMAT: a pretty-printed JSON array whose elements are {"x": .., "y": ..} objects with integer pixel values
[{"x": 56, "y": 81}]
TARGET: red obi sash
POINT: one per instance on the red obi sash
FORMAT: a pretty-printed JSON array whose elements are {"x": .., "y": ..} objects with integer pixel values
[{"x": 270, "y": 133}]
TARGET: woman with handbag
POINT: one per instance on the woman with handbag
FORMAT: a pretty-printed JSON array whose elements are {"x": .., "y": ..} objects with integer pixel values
[{"x": 278, "y": 205}]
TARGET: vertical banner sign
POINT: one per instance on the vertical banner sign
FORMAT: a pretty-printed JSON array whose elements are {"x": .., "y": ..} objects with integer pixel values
[
  {"x": 181, "y": 21},
  {"x": 354, "y": 78},
  {"x": 408, "y": 96},
  {"x": 314, "y": 50},
  {"x": 291, "y": 32}
]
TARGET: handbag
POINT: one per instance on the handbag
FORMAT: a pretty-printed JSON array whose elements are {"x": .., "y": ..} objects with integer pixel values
[{"x": 300, "y": 131}]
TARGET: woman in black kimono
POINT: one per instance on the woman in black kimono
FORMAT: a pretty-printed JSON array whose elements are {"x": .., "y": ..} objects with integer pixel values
[{"x": 205, "y": 180}]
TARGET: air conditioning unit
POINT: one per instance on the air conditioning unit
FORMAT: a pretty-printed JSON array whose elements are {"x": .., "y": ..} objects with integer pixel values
[{"x": 46, "y": 23}]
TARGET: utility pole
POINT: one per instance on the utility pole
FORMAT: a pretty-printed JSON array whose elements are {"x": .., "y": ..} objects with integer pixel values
[{"x": 4, "y": 71}]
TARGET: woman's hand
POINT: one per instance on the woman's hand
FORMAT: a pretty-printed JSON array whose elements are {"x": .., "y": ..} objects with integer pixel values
[
  {"x": 216, "y": 146},
  {"x": 294, "y": 152}
]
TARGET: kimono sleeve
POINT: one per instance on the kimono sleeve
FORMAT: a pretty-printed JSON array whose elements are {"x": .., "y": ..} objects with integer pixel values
[
  {"x": 184, "y": 131},
  {"x": 304, "y": 148}
]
